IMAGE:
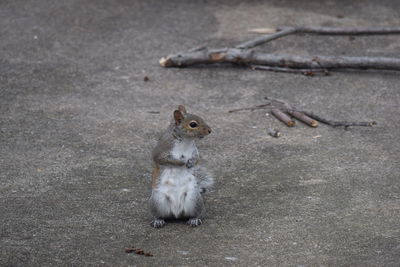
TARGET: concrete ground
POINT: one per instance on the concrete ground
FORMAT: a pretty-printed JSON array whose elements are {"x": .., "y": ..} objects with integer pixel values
[{"x": 76, "y": 131}]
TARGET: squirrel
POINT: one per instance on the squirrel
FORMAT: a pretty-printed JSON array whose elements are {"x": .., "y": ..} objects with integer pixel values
[{"x": 178, "y": 182}]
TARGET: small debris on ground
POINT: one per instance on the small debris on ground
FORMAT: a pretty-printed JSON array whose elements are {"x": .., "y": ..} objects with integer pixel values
[
  {"x": 274, "y": 132},
  {"x": 183, "y": 252},
  {"x": 138, "y": 251}
]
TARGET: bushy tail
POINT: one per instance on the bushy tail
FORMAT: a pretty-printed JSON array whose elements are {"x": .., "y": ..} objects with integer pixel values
[{"x": 204, "y": 178}]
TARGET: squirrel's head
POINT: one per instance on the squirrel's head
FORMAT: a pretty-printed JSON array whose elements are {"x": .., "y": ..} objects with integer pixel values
[{"x": 189, "y": 125}]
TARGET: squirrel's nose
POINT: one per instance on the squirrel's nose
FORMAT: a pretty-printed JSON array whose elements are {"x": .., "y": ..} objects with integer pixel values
[{"x": 209, "y": 130}]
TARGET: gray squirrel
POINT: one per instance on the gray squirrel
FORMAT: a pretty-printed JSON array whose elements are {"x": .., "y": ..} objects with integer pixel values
[{"x": 178, "y": 182}]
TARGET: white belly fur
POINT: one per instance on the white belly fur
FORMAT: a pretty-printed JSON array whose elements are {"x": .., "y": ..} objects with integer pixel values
[{"x": 177, "y": 189}]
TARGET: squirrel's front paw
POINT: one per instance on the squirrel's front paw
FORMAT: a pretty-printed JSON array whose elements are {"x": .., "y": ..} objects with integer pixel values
[
  {"x": 190, "y": 163},
  {"x": 157, "y": 223}
]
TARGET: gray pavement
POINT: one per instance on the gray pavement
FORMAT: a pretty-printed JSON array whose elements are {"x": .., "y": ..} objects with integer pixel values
[{"x": 76, "y": 136}]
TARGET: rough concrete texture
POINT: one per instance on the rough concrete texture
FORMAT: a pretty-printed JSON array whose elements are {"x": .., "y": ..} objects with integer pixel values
[{"x": 76, "y": 136}]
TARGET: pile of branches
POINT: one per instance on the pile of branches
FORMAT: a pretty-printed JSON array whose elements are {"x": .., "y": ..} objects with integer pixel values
[{"x": 285, "y": 112}]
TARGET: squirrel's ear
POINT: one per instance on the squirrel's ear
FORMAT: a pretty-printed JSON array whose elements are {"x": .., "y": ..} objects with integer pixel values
[
  {"x": 182, "y": 109},
  {"x": 178, "y": 117}
]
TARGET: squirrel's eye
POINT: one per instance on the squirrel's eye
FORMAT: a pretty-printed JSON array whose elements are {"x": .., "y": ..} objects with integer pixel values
[{"x": 193, "y": 124}]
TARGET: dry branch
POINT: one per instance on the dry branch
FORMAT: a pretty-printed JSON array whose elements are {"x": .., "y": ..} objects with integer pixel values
[
  {"x": 242, "y": 55},
  {"x": 249, "y": 57},
  {"x": 285, "y": 31},
  {"x": 331, "y": 30}
]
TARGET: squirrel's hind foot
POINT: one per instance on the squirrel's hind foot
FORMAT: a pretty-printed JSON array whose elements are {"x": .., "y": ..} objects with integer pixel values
[
  {"x": 157, "y": 223},
  {"x": 194, "y": 222}
]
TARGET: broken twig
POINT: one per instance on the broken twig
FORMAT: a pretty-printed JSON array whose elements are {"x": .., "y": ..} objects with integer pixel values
[
  {"x": 266, "y": 38},
  {"x": 306, "y": 72},
  {"x": 303, "y": 117},
  {"x": 282, "y": 117},
  {"x": 339, "y": 123},
  {"x": 251, "y": 108}
]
